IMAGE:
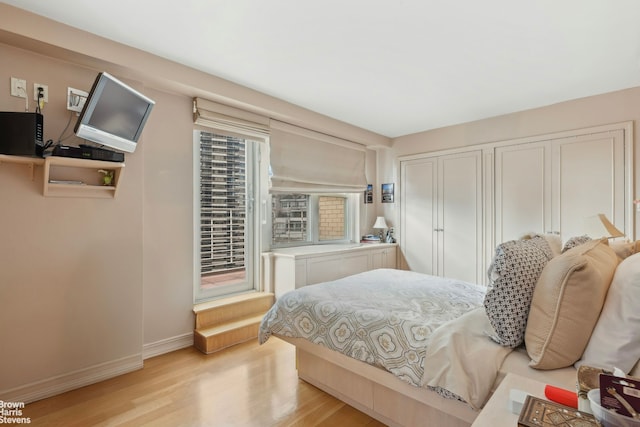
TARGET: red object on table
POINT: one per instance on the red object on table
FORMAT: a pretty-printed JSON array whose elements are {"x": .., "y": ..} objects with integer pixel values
[{"x": 561, "y": 396}]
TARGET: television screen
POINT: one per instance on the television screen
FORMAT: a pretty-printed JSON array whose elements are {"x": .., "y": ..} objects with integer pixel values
[{"x": 114, "y": 114}]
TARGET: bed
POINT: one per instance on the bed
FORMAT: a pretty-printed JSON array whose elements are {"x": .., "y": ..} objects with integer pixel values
[{"x": 413, "y": 349}]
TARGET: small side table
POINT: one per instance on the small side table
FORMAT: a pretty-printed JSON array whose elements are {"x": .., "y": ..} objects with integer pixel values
[{"x": 496, "y": 411}]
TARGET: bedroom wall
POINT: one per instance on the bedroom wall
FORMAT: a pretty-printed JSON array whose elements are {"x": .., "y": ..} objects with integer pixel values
[
  {"x": 89, "y": 287},
  {"x": 168, "y": 224},
  {"x": 70, "y": 268},
  {"x": 614, "y": 107}
]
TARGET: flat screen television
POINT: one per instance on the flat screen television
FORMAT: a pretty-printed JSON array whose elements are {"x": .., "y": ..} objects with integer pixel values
[{"x": 114, "y": 114}]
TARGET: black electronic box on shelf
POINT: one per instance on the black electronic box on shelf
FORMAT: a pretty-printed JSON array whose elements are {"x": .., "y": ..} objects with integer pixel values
[
  {"x": 21, "y": 133},
  {"x": 88, "y": 152}
]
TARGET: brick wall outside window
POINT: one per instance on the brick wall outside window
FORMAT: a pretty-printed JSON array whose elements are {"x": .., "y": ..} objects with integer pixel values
[{"x": 331, "y": 218}]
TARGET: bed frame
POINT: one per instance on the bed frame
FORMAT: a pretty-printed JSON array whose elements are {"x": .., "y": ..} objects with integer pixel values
[{"x": 376, "y": 392}]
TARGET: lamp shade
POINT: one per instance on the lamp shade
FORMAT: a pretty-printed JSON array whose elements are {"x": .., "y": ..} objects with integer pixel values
[
  {"x": 380, "y": 223},
  {"x": 598, "y": 226}
]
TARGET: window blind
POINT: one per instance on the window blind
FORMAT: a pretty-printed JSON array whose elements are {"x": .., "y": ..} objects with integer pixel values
[
  {"x": 305, "y": 161},
  {"x": 230, "y": 120}
]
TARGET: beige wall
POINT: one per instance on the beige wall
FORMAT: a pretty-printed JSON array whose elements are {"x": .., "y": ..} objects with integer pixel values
[
  {"x": 369, "y": 212},
  {"x": 88, "y": 287},
  {"x": 71, "y": 270},
  {"x": 168, "y": 219},
  {"x": 615, "y": 107}
]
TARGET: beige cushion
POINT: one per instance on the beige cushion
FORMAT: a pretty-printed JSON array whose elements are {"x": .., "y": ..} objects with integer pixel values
[
  {"x": 566, "y": 304},
  {"x": 625, "y": 249}
]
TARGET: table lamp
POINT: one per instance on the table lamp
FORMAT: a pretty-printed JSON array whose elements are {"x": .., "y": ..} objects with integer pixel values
[{"x": 380, "y": 224}]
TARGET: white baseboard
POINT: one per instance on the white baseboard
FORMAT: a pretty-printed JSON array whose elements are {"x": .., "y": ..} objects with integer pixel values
[
  {"x": 56, "y": 385},
  {"x": 80, "y": 378},
  {"x": 167, "y": 345}
]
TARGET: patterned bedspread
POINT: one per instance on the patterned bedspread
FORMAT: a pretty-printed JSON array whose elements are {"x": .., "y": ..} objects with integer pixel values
[{"x": 382, "y": 317}]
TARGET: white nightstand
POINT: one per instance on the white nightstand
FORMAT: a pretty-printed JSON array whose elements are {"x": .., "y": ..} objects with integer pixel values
[{"x": 496, "y": 412}]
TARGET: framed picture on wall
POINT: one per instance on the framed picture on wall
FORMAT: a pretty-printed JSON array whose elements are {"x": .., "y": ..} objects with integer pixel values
[
  {"x": 368, "y": 194},
  {"x": 387, "y": 193}
]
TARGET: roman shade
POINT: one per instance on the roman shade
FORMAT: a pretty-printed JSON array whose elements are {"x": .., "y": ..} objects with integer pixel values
[
  {"x": 230, "y": 121},
  {"x": 305, "y": 161}
]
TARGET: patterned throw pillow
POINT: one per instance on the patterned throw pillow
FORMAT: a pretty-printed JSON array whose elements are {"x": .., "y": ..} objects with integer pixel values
[
  {"x": 515, "y": 269},
  {"x": 554, "y": 241},
  {"x": 575, "y": 241}
]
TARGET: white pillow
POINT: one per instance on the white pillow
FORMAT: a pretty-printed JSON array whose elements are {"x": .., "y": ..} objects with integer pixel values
[{"x": 615, "y": 341}]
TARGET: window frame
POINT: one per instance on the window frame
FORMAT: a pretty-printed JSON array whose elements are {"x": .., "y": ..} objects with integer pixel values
[
  {"x": 313, "y": 221},
  {"x": 252, "y": 226}
]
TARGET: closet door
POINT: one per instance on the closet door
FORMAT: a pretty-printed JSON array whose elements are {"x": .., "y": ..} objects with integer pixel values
[
  {"x": 441, "y": 211},
  {"x": 588, "y": 178},
  {"x": 418, "y": 183},
  {"x": 522, "y": 191},
  {"x": 552, "y": 186},
  {"x": 460, "y": 216}
]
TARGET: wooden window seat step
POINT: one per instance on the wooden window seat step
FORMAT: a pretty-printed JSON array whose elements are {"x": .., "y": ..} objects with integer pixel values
[
  {"x": 218, "y": 337},
  {"x": 228, "y": 321}
]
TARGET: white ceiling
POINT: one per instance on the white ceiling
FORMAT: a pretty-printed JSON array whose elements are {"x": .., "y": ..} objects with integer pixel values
[{"x": 393, "y": 67}]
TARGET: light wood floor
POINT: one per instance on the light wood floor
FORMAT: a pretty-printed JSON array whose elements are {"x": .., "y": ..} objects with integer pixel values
[{"x": 246, "y": 385}]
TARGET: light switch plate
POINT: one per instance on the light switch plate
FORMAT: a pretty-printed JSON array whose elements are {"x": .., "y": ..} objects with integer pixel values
[{"x": 18, "y": 87}]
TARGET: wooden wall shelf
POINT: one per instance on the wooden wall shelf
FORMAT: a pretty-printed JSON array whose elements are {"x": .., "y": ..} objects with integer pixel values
[
  {"x": 79, "y": 177},
  {"x": 30, "y": 162},
  {"x": 69, "y": 177}
]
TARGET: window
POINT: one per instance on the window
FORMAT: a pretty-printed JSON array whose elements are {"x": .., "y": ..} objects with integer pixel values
[
  {"x": 304, "y": 219},
  {"x": 289, "y": 221},
  {"x": 224, "y": 214}
]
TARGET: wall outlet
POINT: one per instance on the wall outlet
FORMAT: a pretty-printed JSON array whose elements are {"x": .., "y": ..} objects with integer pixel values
[
  {"x": 76, "y": 99},
  {"x": 18, "y": 87},
  {"x": 45, "y": 91}
]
